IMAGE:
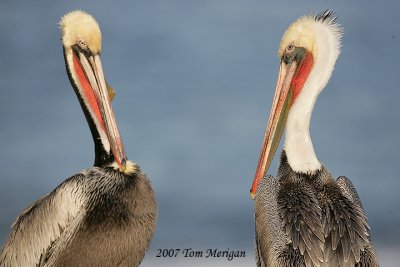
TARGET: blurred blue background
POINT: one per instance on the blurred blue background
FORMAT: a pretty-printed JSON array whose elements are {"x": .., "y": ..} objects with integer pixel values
[{"x": 195, "y": 82}]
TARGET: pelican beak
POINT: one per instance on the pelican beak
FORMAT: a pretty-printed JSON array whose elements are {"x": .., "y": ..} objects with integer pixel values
[
  {"x": 99, "y": 95},
  {"x": 277, "y": 121}
]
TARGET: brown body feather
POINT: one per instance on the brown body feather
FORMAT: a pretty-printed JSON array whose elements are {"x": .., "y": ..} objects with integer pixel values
[
  {"x": 310, "y": 220},
  {"x": 100, "y": 217}
]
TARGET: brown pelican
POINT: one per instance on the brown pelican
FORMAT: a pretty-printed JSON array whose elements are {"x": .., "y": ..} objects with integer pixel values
[
  {"x": 305, "y": 217},
  {"x": 105, "y": 215}
]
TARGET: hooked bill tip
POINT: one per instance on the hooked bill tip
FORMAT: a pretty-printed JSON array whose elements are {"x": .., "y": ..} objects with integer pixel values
[{"x": 252, "y": 195}]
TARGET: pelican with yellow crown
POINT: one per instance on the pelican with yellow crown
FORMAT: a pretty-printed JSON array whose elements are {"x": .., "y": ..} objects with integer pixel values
[
  {"x": 104, "y": 215},
  {"x": 305, "y": 217}
]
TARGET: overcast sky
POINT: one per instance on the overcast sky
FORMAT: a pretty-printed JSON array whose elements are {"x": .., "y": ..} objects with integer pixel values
[{"x": 194, "y": 83}]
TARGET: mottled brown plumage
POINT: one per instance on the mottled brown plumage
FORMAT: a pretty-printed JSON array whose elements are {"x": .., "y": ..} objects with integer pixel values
[
  {"x": 105, "y": 215},
  {"x": 99, "y": 217},
  {"x": 305, "y": 217},
  {"x": 310, "y": 220}
]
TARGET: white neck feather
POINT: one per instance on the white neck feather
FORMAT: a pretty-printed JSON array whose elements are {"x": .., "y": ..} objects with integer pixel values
[{"x": 298, "y": 145}]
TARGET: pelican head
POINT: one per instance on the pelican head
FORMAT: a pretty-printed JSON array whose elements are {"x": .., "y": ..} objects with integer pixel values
[
  {"x": 81, "y": 39},
  {"x": 80, "y": 28},
  {"x": 308, "y": 52}
]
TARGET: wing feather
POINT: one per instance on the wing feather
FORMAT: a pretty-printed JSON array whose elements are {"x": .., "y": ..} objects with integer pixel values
[
  {"x": 273, "y": 246},
  {"x": 301, "y": 218},
  {"x": 312, "y": 221},
  {"x": 344, "y": 222},
  {"x": 42, "y": 223}
]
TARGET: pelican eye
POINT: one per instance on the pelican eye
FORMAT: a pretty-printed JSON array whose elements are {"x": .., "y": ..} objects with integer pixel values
[
  {"x": 83, "y": 48},
  {"x": 82, "y": 45},
  {"x": 289, "y": 47}
]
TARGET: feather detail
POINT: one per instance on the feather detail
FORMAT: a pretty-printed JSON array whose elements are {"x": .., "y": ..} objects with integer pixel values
[{"x": 321, "y": 221}]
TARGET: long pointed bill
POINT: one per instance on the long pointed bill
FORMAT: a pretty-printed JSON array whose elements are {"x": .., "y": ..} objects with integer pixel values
[
  {"x": 99, "y": 95},
  {"x": 276, "y": 123}
]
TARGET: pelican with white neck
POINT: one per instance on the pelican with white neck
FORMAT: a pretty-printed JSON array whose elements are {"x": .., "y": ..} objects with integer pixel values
[{"x": 305, "y": 217}]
